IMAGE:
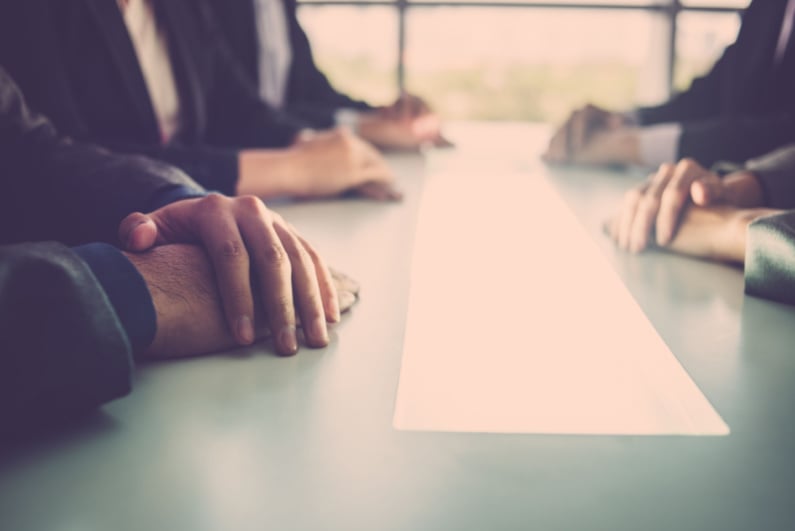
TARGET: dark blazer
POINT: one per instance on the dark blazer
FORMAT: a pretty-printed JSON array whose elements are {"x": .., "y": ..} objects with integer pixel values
[
  {"x": 310, "y": 95},
  {"x": 56, "y": 189},
  {"x": 76, "y": 63},
  {"x": 745, "y": 105},
  {"x": 62, "y": 348}
]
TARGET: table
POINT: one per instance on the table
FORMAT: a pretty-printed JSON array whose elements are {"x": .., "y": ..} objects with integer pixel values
[{"x": 248, "y": 441}]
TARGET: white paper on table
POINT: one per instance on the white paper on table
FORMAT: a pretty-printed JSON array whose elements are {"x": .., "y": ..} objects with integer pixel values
[{"x": 517, "y": 324}]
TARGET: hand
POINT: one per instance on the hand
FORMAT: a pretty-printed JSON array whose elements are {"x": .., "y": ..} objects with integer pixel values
[
  {"x": 578, "y": 130},
  {"x": 188, "y": 304},
  {"x": 322, "y": 164},
  {"x": 656, "y": 206},
  {"x": 337, "y": 162},
  {"x": 406, "y": 106},
  {"x": 399, "y": 133},
  {"x": 238, "y": 233}
]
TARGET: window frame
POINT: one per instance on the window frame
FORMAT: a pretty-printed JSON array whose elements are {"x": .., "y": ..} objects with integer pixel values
[{"x": 670, "y": 10}]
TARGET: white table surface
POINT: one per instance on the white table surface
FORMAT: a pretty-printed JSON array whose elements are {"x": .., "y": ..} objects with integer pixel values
[{"x": 249, "y": 441}]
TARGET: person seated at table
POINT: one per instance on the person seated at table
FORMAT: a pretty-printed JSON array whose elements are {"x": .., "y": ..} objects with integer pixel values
[
  {"x": 270, "y": 45},
  {"x": 746, "y": 216},
  {"x": 72, "y": 318},
  {"x": 152, "y": 78},
  {"x": 743, "y": 108}
]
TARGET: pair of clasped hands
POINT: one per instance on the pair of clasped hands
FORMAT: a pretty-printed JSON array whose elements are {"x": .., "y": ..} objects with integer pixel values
[{"x": 683, "y": 207}]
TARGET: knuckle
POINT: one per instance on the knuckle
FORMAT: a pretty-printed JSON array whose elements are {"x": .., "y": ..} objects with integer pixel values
[
  {"x": 249, "y": 203},
  {"x": 275, "y": 255},
  {"x": 233, "y": 250},
  {"x": 213, "y": 200},
  {"x": 282, "y": 304}
]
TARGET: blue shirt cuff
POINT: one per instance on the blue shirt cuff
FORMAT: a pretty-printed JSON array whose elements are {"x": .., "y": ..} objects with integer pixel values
[
  {"x": 126, "y": 290},
  {"x": 173, "y": 194}
]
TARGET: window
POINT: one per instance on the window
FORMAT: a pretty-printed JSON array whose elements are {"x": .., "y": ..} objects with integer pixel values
[{"x": 518, "y": 59}]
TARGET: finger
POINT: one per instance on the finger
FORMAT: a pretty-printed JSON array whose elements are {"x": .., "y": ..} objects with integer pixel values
[
  {"x": 442, "y": 141},
  {"x": 374, "y": 168},
  {"x": 676, "y": 194},
  {"x": 137, "y": 232},
  {"x": 346, "y": 300},
  {"x": 224, "y": 243},
  {"x": 627, "y": 215},
  {"x": 577, "y": 132},
  {"x": 344, "y": 281},
  {"x": 419, "y": 106},
  {"x": 557, "y": 149},
  {"x": 377, "y": 191},
  {"x": 326, "y": 282},
  {"x": 306, "y": 289},
  {"x": 648, "y": 208},
  {"x": 274, "y": 271}
]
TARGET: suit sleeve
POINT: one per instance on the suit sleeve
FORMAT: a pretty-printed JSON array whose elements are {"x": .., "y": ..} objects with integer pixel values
[
  {"x": 319, "y": 100},
  {"x": 237, "y": 117},
  {"x": 62, "y": 348},
  {"x": 56, "y": 189},
  {"x": 697, "y": 102},
  {"x": 735, "y": 138},
  {"x": 770, "y": 258}
]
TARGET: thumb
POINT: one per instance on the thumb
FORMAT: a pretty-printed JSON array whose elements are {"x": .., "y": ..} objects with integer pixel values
[
  {"x": 708, "y": 190},
  {"x": 137, "y": 232}
]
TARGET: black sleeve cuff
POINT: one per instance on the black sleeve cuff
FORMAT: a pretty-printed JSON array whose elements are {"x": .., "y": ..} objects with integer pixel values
[
  {"x": 172, "y": 195},
  {"x": 126, "y": 290}
]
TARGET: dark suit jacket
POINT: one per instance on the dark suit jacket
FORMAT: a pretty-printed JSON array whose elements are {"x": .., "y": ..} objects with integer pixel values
[
  {"x": 76, "y": 63},
  {"x": 310, "y": 95},
  {"x": 62, "y": 347},
  {"x": 745, "y": 106}
]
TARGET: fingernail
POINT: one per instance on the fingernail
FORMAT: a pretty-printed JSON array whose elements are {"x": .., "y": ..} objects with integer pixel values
[
  {"x": 245, "y": 330},
  {"x": 288, "y": 341},
  {"x": 318, "y": 331}
]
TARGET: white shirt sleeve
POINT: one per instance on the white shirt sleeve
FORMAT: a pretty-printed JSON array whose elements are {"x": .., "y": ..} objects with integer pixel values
[
  {"x": 347, "y": 118},
  {"x": 659, "y": 143}
]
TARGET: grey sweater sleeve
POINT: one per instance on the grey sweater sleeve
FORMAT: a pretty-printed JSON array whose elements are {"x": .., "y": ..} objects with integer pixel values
[{"x": 770, "y": 258}]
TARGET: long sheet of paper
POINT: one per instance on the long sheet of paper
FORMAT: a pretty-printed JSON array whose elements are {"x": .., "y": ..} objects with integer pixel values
[{"x": 517, "y": 324}]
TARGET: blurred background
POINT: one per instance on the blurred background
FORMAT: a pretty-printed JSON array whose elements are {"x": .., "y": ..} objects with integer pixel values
[{"x": 518, "y": 60}]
